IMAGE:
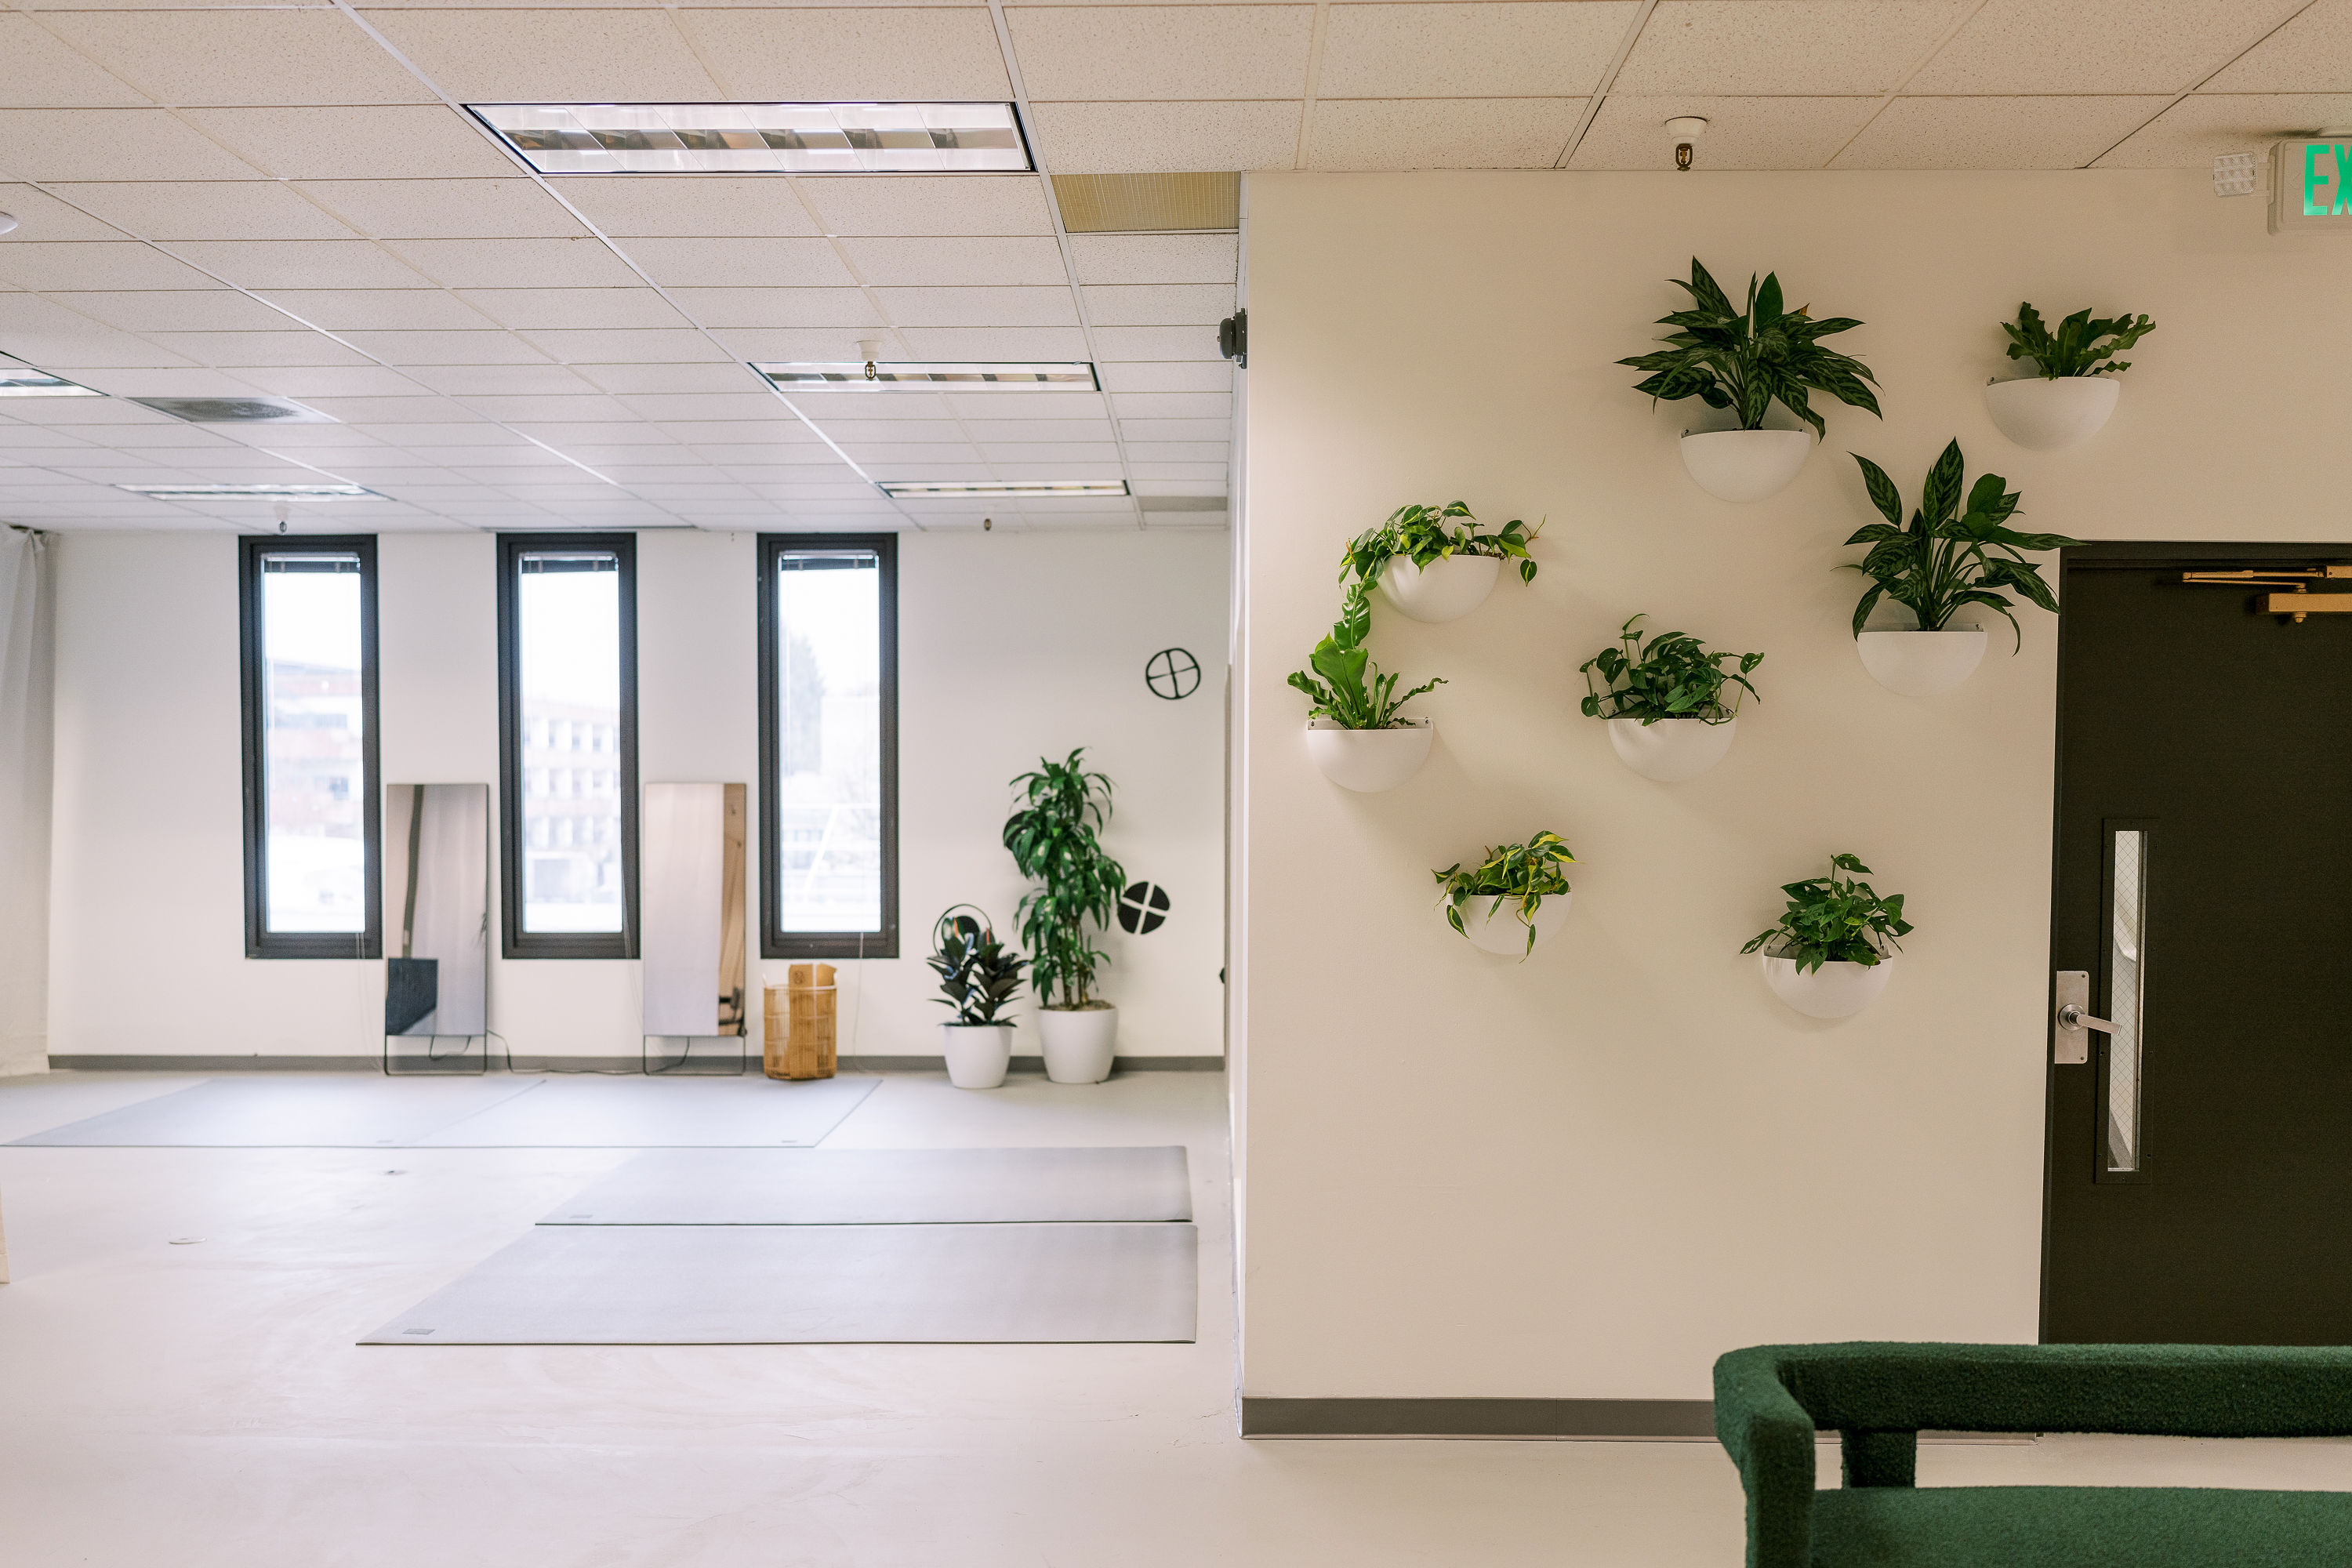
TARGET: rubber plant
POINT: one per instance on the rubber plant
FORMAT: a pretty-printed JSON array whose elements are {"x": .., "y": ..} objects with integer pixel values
[
  {"x": 978, "y": 973},
  {"x": 2081, "y": 346},
  {"x": 1950, "y": 555},
  {"x": 1054, "y": 842},
  {"x": 1745, "y": 360},
  {"x": 1834, "y": 922},
  {"x": 1519, "y": 875},
  {"x": 1420, "y": 534},
  {"x": 1344, "y": 684},
  {"x": 1672, "y": 676}
]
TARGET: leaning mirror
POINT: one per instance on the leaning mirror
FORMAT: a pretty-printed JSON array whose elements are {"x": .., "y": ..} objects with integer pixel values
[
  {"x": 691, "y": 925},
  {"x": 436, "y": 905}
]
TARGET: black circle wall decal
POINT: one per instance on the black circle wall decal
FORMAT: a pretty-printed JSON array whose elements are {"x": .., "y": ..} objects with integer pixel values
[
  {"x": 1143, "y": 908},
  {"x": 1173, "y": 673}
]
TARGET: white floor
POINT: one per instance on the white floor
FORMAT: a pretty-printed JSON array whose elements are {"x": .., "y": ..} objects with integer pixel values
[{"x": 180, "y": 1406}]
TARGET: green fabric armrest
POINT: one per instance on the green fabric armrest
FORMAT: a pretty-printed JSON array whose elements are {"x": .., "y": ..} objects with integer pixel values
[{"x": 1769, "y": 1436}]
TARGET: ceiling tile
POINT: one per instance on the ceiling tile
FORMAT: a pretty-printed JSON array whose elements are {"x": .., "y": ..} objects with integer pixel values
[
  {"x": 967, "y": 260},
  {"x": 329, "y": 380},
  {"x": 825, "y": 55},
  {"x": 57, "y": 144},
  {"x": 1037, "y": 431},
  {"x": 40, "y": 215},
  {"x": 428, "y": 422},
  {"x": 232, "y": 349},
  {"x": 993, "y": 342},
  {"x": 1995, "y": 132},
  {"x": 752, "y": 205},
  {"x": 43, "y": 73},
  {"x": 676, "y": 405},
  {"x": 1050, "y": 452},
  {"x": 381, "y": 310},
  {"x": 71, "y": 341},
  {"x": 1799, "y": 48},
  {"x": 726, "y": 377},
  {"x": 2307, "y": 55},
  {"x": 715, "y": 263},
  {"x": 853, "y": 434},
  {"x": 206, "y": 209},
  {"x": 1179, "y": 451},
  {"x": 1159, "y": 304},
  {"x": 387, "y": 412},
  {"x": 300, "y": 263},
  {"x": 1195, "y": 343},
  {"x": 550, "y": 56},
  {"x": 532, "y": 308},
  {"x": 471, "y": 380},
  {"x": 1166, "y": 138},
  {"x": 1544, "y": 48},
  {"x": 1177, "y": 471},
  {"x": 243, "y": 57},
  {"x": 979, "y": 410},
  {"x": 1176, "y": 430},
  {"x": 445, "y": 209},
  {"x": 1092, "y": 53},
  {"x": 929, "y": 204},
  {"x": 2197, "y": 129},
  {"x": 1031, "y": 469},
  {"x": 93, "y": 264},
  {"x": 176, "y": 309},
  {"x": 745, "y": 434},
  {"x": 1440, "y": 134},
  {"x": 2085, "y": 47},
  {"x": 731, "y": 308},
  {"x": 767, "y": 343},
  {"x": 1181, "y": 377},
  {"x": 358, "y": 144},
  {"x": 1156, "y": 258},
  {"x": 584, "y": 408},
  {"x": 1011, "y": 306},
  {"x": 504, "y": 263},
  {"x": 618, "y": 346},
  {"x": 444, "y": 347},
  {"x": 1629, "y": 131},
  {"x": 895, "y": 403},
  {"x": 1174, "y": 404}
]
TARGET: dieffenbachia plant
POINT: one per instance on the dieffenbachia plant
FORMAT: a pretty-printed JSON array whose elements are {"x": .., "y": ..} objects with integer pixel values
[
  {"x": 1745, "y": 360},
  {"x": 1950, "y": 556}
]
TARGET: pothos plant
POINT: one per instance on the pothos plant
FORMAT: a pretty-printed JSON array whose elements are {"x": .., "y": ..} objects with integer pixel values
[
  {"x": 1521, "y": 875},
  {"x": 1950, "y": 556},
  {"x": 1419, "y": 534},
  {"x": 1053, "y": 837},
  {"x": 1829, "y": 920},
  {"x": 2078, "y": 346},
  {"x": 1745, "y": 360},
  {"x": 1671, "y": 676},
  {"x": 978, "y": 973},
  {"x": 1345, "y": 685}
]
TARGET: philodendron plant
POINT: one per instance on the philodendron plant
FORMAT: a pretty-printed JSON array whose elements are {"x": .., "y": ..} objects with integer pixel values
[
  {"x": 1053, "y": 837},
  {"x": 1829, "y": 920},
  {"x": 978, "y": 973},
  {"x": 2079, "y": 346},
  {"x": 1345, "y": 685},
  {"x": 1672, "y": 676},
  {"x": 1521, "y": 875},
  {"x": 1950, "y": 556},
  {"x": 1420, "y": 534},
  {"x": 1745, "y": 360}
]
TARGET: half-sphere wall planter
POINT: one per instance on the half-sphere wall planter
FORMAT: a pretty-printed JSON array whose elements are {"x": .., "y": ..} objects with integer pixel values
[
  {"x": 1503, "y": 933},
  {"x": 1835, "y": 990},
  {"x": 1745, "y": 465},
  {"x": 1671, "y": 750},
  {"x": 1920, "y": 664},
  {"x": 2047, "y": 413},
  {"x": 1368, "y": 761},
  {"x": 1444, "y": 590}
]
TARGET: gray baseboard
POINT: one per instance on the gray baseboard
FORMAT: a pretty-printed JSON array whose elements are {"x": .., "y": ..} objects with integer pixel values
[
  {"x": 111, "y": 1062},
  {"x": 1687, "y": 1419}
]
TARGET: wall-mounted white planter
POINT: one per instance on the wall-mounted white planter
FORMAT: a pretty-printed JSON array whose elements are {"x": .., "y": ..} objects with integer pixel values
[
  {"x": 1444, "y": 590},
  {"x": 1745, "y": 465},
  {"x": 977, "y": 1054},
  {"x": 1503, "y": 931},
  {"x": 1078, "y": 1042},
  {"x": 2047, "y": 413},
  {"x": 1836, "y": 990},
  {"x": 1920, "y": 664},
  {"x": 1368, "y": 761},
  {"x": 1671, "y": 750}
]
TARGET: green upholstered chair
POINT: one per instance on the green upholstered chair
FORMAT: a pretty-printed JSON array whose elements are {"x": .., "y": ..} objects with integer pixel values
[{"x": 1769, "y": 1401}]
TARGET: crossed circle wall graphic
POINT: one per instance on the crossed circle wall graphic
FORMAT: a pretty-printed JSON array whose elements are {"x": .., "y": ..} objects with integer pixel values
[
  {"x": 1142, "y": 907},
  {"x": 1173, "y": 673}
]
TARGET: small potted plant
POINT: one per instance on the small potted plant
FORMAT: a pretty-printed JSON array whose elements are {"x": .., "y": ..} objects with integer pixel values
[
  {"x": 1434, "y": 572},
  {"x": 978, "y": 975},
  {"x": 1664, "y": 701},
  {"x": 2072, "y": 397},
  {"x": 1513, "y": 900},
  {"x": 1746, "y": 361},
  {"x": 1354, "y": 733},
  {"x": 1828, "y": 955},
  {"x": 1947, "y": 559},
  {"x": 1053, "y": 839}
]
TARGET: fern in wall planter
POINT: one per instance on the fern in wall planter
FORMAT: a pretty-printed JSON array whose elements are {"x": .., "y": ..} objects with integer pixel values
[
  {"x": 1356, "y": 735},
  {"x": 2074, "y": 393}
]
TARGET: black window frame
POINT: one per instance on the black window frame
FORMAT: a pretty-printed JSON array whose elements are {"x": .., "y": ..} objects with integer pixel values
[
  {"x": 774, "y": 940},
  {"x": 514, "y": 941},
  {"x": 260, "y": 940}
]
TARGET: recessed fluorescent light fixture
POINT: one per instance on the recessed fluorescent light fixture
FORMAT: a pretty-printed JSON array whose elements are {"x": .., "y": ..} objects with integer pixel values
[
  {"x": 906, "y": 489},
  {"x": 759, "y": 138},
  {"x": 18, "y": 379},
  {"x": 851, "y": 375},
  {"x": 236, "y": 492}
]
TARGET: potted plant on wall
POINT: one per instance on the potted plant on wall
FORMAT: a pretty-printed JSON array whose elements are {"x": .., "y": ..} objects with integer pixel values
[
  {"x": 1053, "y": 837},
  {"x": 1746, "y": 361},
  {"x": 1355, "y": 734},
  {"x": 1513, "y": 900},
  {"x": 978, "y": 975},
  {"x": 1947, "y": 559},
  {"x": 1664, "y": 701},
  {"x": 2072, "y": 397},
  {"x": 1434, "y": 572},
  {"x": 1827, "y": 955}
]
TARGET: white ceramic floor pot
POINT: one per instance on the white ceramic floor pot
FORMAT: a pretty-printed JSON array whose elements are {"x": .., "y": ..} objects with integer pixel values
[
  {"x": 2047, "y": 413},
  {"x": 1505, "y": 932},
  {"x": 977, "y": 1054},
  {"x": 1444, "y": 590},
  {"x": 1671, "y": 750},
  {"x": 1920, "y": 664},
  {"x": 1368, "y": 761},
  {"x": 1745, "y": 465},
  {"x": 1835, "y": 990},
  {"x": 1079, "y": 1042}
]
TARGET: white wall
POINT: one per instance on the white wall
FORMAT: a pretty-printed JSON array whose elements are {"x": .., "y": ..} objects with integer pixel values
[
  {"x": 1588, "y": 1175},
  {"x": 1010, "y": 645}
]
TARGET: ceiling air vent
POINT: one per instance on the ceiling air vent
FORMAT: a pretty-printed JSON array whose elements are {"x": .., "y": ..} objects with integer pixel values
[
  {"x": 1148, "y": 203},
  {"x": 235, "y": 410}
]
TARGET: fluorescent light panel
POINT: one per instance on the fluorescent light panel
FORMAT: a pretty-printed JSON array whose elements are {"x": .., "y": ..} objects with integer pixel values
[
  {"x": 913, "y": 490},
  {"x": 233, "y": 492},
  {"x": 759, "y": 138},
  {"x": 18, "y": 379},
  {"x": 849, "y": 376}
]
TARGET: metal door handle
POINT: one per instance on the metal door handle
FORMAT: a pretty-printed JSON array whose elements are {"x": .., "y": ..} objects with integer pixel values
[{"x": 2072, "y": 1017}]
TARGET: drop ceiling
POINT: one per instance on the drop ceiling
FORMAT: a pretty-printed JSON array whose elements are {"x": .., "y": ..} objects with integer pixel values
[{"x": 224, "y": 202}]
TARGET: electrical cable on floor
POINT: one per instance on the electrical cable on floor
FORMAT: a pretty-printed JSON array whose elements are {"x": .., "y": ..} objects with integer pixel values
[{"x": 507, "y": 1046}]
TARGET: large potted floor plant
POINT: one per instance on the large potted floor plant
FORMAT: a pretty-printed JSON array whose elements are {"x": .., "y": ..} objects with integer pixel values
[
  {"x": 1664, "y": 701},
  {"x": 1746, "y": 361},
  {"x": 1828, "y": 955},
  {"x": 1355, "y": 734},
  {"x": 1434, "y": 572},
  {"x": 1053, "y": 835},
  {"x": 978, "y": 975},
  {"x": 1513, "y": 900},
  {"x": 2073, "y": 395},
  {"x": 1949, "y": 557}
]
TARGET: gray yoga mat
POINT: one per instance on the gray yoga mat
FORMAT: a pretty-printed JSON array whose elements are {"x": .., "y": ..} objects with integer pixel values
[
  {"x": 886, "y": 1186},
  {"x": 655, "y": 1113},
  {"x": 949, "y": 1284},
  {"x": 342, "y": 1111}
]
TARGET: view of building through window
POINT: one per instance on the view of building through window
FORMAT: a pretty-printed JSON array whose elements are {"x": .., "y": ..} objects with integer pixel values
[
  {"x": 829, "y": 741},
  {"x": 313, "y": 752},
  {"x": 568, "y": 637}
]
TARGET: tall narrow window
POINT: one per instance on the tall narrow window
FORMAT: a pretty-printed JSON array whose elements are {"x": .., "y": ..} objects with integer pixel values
[
  {"x": 568, "y": 744},
  {"x": 829, "y": 745},
  {"x": 312, "y": 819},
  {"x": 2127, "y": 992}
]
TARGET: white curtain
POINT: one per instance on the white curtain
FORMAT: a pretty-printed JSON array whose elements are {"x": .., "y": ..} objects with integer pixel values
[{"x": 25, "y": 698}]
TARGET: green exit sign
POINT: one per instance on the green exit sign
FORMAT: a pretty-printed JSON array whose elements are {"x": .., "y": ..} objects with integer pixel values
[{"x": 2311, "y": 187}]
